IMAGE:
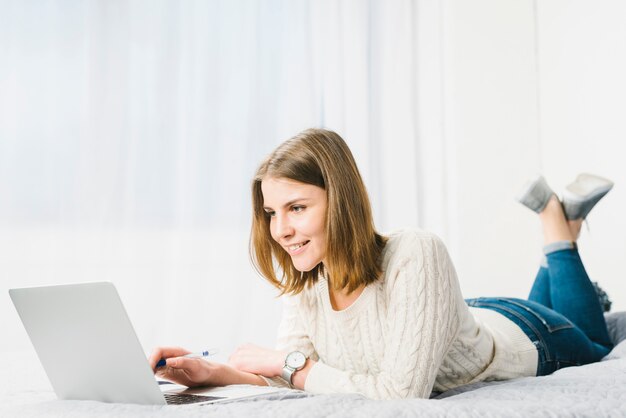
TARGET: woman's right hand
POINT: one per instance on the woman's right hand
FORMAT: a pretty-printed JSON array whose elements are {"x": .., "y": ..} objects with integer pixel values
[{"x": 187, "y": 371}]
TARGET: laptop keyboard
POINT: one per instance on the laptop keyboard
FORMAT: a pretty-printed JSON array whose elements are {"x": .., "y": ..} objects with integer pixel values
[{"x": 181, "y": 399}]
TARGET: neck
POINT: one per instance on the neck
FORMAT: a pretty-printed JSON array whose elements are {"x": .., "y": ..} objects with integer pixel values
[{"x": 342, "y": 299}]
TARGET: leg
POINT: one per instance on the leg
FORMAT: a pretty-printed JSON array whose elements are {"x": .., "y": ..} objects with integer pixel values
[
  {"x": 555, "y": 230},
  {"x": 540, "y": 292},
  {"x": 571, "y": 292},
  {"x": 573, "y": 295},
  {"x": 555, "y": 226},
  {"x": 574, "y": 228}
]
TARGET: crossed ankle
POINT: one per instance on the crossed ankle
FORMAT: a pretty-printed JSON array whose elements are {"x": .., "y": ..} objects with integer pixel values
[{"x": 559, "y": 246}]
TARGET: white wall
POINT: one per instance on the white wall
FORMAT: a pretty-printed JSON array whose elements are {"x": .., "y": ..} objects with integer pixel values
[
  {"x": 582, "y": 61},
  {"x": 505, "y": 89},
  {"x": 491, "y": 121},
  {"x": 533, "y": 87}
]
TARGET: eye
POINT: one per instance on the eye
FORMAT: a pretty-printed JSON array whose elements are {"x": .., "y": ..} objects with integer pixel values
[
  {"x": 270, "y": 213},
  {"x": 297, "y": 208}
]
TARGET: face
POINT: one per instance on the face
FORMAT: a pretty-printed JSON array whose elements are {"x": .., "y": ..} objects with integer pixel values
[{"x": 297, "y": 219}]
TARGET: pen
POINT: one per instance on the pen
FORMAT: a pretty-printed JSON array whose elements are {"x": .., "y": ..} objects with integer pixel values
[{"x": 202, "y": 354}]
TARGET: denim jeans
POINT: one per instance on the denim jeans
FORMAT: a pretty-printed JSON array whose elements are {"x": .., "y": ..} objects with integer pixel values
[{"x": 562, "y": 315}]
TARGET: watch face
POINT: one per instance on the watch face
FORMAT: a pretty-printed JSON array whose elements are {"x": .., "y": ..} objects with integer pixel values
[{"x": 295, "y": 360}]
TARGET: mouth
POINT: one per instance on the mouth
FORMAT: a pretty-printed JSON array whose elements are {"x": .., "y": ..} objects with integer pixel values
[{"x": 296, "y": 249}]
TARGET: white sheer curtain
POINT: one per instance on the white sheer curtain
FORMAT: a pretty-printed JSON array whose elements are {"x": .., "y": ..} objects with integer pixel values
[{"x": 129, "y": 131}]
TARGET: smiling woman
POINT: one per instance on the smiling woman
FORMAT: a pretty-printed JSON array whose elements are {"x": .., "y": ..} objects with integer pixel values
[
  {"x": 384, "y": 316},
  {"x": 316, "y": 164}
]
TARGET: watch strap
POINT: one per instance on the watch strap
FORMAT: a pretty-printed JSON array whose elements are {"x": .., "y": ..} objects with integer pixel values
[{"x": 287, "y": 374}]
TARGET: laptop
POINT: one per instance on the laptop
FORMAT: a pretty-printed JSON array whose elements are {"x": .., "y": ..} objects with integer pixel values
[{"x": 89, "y": 350}]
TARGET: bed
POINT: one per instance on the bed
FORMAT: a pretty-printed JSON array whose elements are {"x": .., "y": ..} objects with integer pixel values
[{"x": 594, "y": 390}]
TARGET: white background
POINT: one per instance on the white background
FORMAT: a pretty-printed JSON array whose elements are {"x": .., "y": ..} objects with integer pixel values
[{"x": 129, "y": 132}]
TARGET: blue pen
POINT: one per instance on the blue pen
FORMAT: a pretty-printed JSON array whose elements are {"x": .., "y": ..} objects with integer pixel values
[{"x": 201, "y": 354}]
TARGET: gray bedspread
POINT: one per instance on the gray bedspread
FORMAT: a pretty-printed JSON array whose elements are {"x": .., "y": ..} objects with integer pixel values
[{"x": 594, "y": 390}]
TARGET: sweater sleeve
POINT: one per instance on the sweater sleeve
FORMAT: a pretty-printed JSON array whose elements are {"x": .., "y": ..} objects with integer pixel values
[
  {"x": 292, "y": 336},
  {"x": 423, "y": 296}
]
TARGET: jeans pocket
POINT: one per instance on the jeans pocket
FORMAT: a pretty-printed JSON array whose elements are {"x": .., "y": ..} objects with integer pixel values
[{"x": 552, "y": 320}]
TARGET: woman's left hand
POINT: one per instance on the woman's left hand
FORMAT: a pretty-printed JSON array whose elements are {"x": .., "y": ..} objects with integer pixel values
[{"x": 258, "y": 360}]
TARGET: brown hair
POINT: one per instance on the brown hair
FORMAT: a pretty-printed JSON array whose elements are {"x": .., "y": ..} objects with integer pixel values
[{"x": 353, "y": 247}]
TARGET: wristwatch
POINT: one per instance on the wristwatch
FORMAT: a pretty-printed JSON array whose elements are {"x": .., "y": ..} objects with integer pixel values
[{"x": 293, "y": 362}]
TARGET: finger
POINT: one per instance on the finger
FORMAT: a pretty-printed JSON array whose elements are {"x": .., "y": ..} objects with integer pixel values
[
  {"x": 174, "y": 375},
  {"x": 155, "y": 356},
  {"x": 250, "y": 346},
  {"x": 168, "y": 352},
  {"x": 238, "y": 362},
  {"x": 184, "y": 363},
  {"x": 162, "y": 353}
]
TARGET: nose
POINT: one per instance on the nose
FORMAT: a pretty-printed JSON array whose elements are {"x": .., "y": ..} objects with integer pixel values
[{"x": 282, "y": 227}]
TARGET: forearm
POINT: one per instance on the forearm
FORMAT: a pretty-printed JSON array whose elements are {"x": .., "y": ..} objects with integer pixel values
[
  {"x": 233, "y": 376},
  {"x": 299, "y": 377}
]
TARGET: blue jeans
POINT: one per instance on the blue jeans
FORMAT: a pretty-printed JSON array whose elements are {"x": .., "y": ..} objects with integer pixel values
[{"x": 562, "y": 315}]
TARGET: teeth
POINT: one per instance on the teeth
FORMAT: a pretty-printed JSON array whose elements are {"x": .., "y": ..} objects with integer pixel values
[{"x": 295, "y": 247}]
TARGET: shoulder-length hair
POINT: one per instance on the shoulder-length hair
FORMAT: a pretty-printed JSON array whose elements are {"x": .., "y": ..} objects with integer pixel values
[{"x": 353, "y": 247}]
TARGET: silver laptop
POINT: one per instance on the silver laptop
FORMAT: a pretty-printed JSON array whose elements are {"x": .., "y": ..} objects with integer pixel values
[{"x": 89, "y": 349}]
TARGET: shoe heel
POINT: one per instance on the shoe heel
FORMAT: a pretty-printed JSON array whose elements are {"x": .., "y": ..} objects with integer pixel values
[{"x": 536, "y": 194}]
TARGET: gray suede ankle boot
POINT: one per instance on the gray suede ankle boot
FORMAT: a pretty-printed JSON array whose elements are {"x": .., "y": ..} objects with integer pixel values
[
  {"x": 583, "y": 194},
  {"x": 536, "y": 194}
]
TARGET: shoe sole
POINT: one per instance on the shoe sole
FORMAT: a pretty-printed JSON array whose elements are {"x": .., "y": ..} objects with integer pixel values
[
  {"x": 583, "y": 194},
  {"x": 587, "y": 187}
]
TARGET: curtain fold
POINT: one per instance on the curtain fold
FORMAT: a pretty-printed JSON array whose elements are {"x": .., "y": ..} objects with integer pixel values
[{"x": 130, "y": 130}]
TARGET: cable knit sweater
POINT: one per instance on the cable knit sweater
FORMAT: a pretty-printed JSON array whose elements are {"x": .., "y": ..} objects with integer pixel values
[{"x": 407, "y": 334}]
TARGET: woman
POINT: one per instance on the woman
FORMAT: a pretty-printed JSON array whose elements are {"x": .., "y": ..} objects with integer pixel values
[{"x": 384, "y": 316}]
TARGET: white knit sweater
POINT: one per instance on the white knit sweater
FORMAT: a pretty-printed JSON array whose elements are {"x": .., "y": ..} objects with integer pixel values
[{"x": 407, "y": 334}]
